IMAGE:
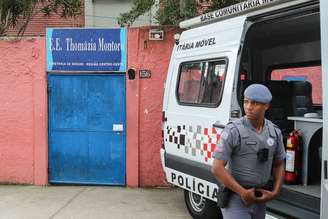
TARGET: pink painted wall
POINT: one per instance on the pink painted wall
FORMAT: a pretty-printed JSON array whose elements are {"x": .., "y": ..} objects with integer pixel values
[
  {"x": 153, "y": 56},
  {"x": 23, "y": 131},
  {"x": 132, "y": 113},
  {"x": 23, "y": 109}
]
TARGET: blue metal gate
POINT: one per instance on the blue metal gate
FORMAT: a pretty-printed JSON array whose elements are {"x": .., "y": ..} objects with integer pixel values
[{"x": 87, "y": 129}]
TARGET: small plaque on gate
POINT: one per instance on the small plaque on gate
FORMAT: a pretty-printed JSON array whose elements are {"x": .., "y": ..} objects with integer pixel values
[{"x": 117, "y": 127}]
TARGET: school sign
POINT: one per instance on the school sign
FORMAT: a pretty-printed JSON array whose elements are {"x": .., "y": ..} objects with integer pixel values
[{"x": 96, "y": 50}]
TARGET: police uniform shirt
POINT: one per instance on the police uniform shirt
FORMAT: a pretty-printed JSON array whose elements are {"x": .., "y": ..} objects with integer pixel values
[{"x": 242, "y": 159}]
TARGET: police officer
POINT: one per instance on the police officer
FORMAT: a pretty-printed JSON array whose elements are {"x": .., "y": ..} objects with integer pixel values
[{"x": 252, "y": 146}]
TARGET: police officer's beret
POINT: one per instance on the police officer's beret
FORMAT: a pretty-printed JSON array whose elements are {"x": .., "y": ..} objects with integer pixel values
[{"x": 258, "y": 93}]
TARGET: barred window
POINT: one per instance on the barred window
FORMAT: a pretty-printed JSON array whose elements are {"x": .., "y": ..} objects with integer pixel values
[{"x": 201, "y": 82}]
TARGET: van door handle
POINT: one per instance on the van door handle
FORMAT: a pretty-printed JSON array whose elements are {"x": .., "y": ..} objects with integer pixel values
[{"x": 217, "y": 124}]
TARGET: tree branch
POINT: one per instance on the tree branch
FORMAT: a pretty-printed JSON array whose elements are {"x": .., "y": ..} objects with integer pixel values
[{"x": 20, "y": 12}]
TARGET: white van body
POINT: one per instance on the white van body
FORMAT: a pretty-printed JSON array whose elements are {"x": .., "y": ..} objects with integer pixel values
[
  {"x": 324, "y": 56},
  {"x": 219, "y": 52},
  {"x": 200, "y": 117}
]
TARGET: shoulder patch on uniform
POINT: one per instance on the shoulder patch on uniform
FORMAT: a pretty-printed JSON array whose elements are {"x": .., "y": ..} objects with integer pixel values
[{"x": 219, "y": 148}]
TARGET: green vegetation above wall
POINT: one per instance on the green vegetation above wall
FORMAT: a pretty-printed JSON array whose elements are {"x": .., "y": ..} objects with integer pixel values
[
  {"x": 171, "y": 12},
  {"x": 18, "y": 13}
]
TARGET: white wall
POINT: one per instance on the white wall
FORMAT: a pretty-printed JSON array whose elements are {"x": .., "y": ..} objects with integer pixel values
[{"x": 103, "y": 13}]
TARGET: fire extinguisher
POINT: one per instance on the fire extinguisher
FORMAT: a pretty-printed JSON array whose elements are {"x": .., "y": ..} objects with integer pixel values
[{"x": 293, "y": 157}]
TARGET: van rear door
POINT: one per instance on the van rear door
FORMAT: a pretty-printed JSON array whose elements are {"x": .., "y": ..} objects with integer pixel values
[{"x": 324, "y": 58}]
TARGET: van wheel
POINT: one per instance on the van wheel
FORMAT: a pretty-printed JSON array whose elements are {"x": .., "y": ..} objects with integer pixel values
[{"x": 200, "y": 207}]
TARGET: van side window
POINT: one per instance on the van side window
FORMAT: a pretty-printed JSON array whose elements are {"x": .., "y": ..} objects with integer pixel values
[{"x": 201, "y": 83}]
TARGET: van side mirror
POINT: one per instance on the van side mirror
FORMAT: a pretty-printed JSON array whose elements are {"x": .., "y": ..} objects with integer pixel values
[{"x": 131, "y": 74}]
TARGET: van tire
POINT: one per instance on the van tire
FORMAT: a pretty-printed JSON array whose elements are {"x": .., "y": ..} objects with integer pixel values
[{"x": 200, "y": 207}]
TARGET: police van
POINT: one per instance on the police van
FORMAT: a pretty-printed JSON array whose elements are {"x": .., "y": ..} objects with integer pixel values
[{"x": 274, "y": 42}]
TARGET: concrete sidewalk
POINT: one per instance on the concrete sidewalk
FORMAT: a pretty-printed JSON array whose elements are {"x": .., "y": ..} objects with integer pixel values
[{"x": 94, "y": 202}]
